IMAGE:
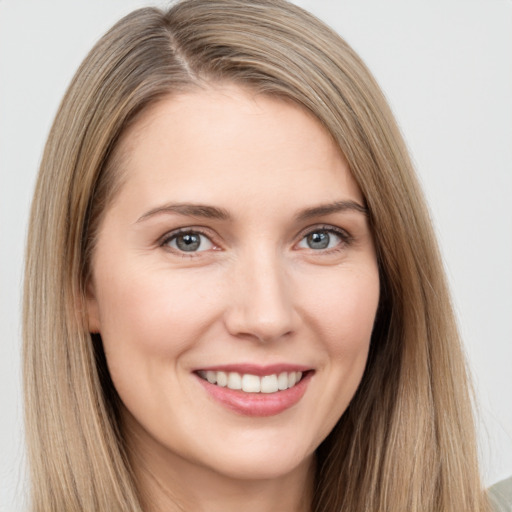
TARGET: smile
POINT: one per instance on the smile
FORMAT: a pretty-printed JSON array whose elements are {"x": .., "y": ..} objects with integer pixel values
[
  {"x": 250, "y": 383},
  {"x": 256, "y": 391}
]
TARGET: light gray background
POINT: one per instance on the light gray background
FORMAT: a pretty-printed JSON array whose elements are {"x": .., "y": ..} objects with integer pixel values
[{"x": 446, "y": 68}]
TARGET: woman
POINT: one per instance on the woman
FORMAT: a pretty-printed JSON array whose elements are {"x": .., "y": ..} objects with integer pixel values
[{"x": 233, "y": 293}]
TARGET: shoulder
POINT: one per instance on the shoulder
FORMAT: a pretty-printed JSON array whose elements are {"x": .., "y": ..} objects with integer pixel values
[{"x": 500, "y": 496}]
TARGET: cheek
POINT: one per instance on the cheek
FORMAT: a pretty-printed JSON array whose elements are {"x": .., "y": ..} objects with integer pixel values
[
  {"x": 341, "y": 312},
  {"x": 343, "y": 308},
  {"x": 153, "y": 308},
  {"x": 148, "y": 320}
]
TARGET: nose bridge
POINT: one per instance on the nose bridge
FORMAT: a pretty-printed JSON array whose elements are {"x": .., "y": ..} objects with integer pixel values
[{"x": 261, "y": 300}]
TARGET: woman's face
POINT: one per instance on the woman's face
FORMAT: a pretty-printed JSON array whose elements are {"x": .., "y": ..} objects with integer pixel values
[{"x": 237, "y": 253}]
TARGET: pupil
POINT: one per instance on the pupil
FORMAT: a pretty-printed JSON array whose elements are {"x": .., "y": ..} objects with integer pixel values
[
  {"x": 318, "y": 240},
  {"x": 189, "y": 242}
]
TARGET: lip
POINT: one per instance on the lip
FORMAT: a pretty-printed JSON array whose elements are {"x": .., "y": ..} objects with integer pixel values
[{"x": 257, "y": 404}]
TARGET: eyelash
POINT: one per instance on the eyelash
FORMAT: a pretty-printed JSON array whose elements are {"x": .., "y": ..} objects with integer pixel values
[
  {"x": 169, "y": 237},
  {"x": 345, "y": 237}
]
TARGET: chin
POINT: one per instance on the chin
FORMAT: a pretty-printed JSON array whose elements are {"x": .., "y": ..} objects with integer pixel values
[{"x": 257, "y": 464}]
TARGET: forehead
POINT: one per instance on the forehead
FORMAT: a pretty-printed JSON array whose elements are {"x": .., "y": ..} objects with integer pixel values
[{"x": 227, "y": 140}]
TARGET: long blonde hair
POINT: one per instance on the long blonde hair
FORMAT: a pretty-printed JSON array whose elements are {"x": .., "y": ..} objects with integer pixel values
[{"x": 406, "y": 442}]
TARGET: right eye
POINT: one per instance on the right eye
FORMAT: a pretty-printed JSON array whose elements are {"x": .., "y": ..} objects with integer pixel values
[{"x": 188, "y": 241}]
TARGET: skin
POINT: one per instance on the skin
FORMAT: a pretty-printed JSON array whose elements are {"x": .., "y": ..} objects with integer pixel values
[{"x": 255, "y": 292}]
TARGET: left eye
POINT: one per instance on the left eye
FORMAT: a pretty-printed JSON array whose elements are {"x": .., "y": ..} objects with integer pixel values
[
  {"x": 189, "y": 241},
  {"x": 320, "y": 239}
]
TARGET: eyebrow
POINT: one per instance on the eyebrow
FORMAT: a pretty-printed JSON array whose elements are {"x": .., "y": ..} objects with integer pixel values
[
  {"x": 213, "y": 212},
  {"x": 327, "y": 209},
  {"x": 189, "y": 210}
]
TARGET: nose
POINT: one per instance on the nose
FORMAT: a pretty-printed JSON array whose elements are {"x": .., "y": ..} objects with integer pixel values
[{"x": 260, "y": 299}]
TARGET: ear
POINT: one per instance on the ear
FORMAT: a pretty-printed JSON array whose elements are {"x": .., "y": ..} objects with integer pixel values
[{"x": 93, "y": 311}]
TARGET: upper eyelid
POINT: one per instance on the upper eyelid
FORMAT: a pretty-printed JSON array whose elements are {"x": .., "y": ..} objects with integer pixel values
[
  {"x": 192, "y": 229},
  {"x": 202, "y": 230},
  {"x": 325, "y": 227}
]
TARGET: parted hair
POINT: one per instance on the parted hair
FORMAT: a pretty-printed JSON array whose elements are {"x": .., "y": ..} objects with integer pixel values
[{"x": 406, "y": 443}]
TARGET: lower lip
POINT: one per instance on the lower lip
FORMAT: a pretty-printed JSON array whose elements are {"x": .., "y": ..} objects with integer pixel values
[{"x": 257, "y": 404}]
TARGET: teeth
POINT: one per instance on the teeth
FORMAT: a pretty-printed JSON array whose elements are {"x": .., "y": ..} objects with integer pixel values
[
  {"x": 269, "y": 384},
  {"x": 222, "y": 379},
  {"x": 252, "y": 383},
  {"x": 234, "y": 381},
  {"x": 282, "y": 381}
]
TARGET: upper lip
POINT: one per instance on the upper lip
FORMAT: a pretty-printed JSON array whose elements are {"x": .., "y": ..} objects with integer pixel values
[{"x": 254, "y": 369}]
